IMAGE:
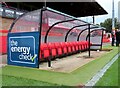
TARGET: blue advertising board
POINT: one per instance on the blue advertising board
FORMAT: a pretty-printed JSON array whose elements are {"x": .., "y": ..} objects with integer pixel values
[{"x": 23, "y": 49}]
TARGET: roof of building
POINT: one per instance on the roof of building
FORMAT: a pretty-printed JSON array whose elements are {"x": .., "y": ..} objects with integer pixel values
[{"x": 76, "y": 9}]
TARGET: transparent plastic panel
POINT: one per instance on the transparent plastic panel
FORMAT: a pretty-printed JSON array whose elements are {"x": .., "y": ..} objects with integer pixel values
[
  {"x": 58, "y": 32},
  {"x": 83, "y": 35},
  {"x": 73, "y": 35},
  {"x": 28, "y": 22},
  {"x": 96, "y": 36}
]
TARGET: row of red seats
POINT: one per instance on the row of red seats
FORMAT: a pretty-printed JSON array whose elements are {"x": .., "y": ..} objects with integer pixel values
[{"x": 52, "y": 50}]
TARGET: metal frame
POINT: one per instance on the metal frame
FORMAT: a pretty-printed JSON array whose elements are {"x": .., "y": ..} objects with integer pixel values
[
  {"x": 83, "y": 31},
  {"x": 92, "y": 31},
  {"x": 40, "y": 29},
  {"x": 16, "y": 21},
  {"x": 63, "y": 14},
  {"x": 101, "y": 38},
  {"x": 72, "y": 29},
  {"x": 46, "y": 36},
  {"x": 72, "y": 19},
  {"x": 88, "y": 34},
  {"x": 89, "y": 39}
]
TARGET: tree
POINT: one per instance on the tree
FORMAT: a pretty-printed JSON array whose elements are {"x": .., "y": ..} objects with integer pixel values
[{"x": 108, "y": 24}]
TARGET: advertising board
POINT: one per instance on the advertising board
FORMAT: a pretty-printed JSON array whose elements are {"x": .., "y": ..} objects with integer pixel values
[{"x": 23, "y": 49}]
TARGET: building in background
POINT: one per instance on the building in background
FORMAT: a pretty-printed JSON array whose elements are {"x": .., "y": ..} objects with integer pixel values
[{"x": 119, "y": 11}]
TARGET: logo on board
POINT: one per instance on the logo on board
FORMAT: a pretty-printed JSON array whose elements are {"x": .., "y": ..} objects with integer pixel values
[{"x": 22, "y": 49}]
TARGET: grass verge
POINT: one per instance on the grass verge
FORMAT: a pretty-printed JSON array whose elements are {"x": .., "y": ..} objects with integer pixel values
[
  {"x": 110, "y": 78},
  {"x": 18, "y": 81},
  {"x": 76, "y": 78}
]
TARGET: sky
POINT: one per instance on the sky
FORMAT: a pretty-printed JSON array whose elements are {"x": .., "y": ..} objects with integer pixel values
[{"x": 107, "y": 5}]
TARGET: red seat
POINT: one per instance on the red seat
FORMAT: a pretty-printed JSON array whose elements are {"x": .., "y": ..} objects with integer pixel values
[
  {"x": 87, "y": 44},
  {"x": 69, "y": 47},
  {"x": 84, "y": 44},
  {"x": 44, "y": 51},
  {"x": 72, "y": 46},
  {"x": 76, "y": 46},
  {"x": 64, "y": 47},
  {"x": 81, "y": 46},
  {"x": 58, "y": 48},
  {"x": 52, "y": 49}
]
